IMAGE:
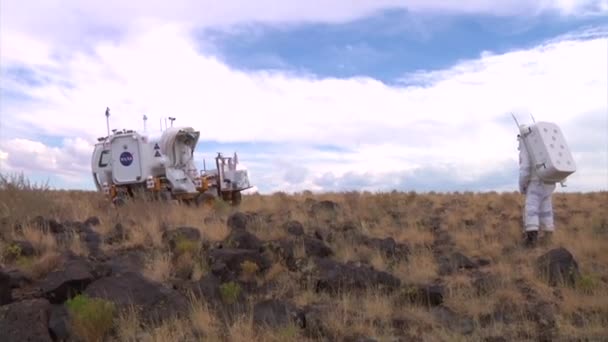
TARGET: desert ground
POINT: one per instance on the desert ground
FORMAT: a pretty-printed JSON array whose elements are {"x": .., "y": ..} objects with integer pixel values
[{"x": 353, "y": 266}]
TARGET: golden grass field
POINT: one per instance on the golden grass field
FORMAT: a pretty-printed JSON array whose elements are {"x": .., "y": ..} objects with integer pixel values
[{"x": 482, "y": 226}]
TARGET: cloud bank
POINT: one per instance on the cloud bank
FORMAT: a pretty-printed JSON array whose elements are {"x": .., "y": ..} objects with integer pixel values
[{"x": 441, "y": 130}]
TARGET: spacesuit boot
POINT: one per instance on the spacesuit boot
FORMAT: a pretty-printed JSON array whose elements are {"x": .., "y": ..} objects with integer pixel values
[{"x": 531, "y": 238}]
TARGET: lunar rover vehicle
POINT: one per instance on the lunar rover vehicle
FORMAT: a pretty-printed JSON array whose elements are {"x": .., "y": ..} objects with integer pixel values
[{"x": 126, "y": 163}]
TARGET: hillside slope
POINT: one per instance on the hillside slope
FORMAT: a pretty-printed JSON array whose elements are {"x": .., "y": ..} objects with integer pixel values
[{"x": 334, "y": 267}]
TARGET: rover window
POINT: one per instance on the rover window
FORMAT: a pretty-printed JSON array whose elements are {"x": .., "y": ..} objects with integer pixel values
[{"x": 104, "y": 158}]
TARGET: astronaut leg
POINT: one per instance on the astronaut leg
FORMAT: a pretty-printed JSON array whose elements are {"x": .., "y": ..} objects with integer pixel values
[
  {"x": 534, "y": 196},
  {"x": 545, "y": 215}
]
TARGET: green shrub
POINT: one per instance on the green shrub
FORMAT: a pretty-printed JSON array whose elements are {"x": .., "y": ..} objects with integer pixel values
[
  {"x": 91, "y": 318},
  {"x": 230, "y": 292},
  {"x": 587, "y": 283},
  {"x": 184, "y": 245},
  {"x": 12, "y": 252}
]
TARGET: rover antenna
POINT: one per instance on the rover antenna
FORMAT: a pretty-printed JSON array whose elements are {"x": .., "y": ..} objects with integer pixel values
[
  {"x": 145, "y": 119},
  {"x": 171, "y": 119},
  {"x": 108, "y": 119},
  {"x": 532, "y": 118}
]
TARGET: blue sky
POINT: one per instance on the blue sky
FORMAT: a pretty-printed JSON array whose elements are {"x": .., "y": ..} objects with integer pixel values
[{"x": 372, "y": 95}]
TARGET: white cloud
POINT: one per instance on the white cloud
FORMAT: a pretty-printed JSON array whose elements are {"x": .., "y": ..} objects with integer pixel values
[
  {"x": 70, "y": 23},
  {"x": 458, "y": 117},
  {"x": 70, "y": 162}
]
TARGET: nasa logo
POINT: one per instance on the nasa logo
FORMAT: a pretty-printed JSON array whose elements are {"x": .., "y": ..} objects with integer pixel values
[{"x": 126, "y": 158}]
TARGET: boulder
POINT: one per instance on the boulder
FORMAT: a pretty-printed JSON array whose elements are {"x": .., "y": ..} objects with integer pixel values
[
  {"x": 25, "y": 321},
  {"x": 387, "y": 246},
  {"x": 454, "y": 262},
  {"x": 154, "y": 301},
  {"x": 558, "y": 266},
  {"x": 316, "y": 248},
  {"x": 117, "y": 235},
  {"x": 50, "y": 225},
  {"x": 92, "y": 221},
  {"x": 69, "y": 280},
  {"x": 240, "y": 238},
  {"x": 335, "y": 277},
  {"x": 325, "y": 205},
  {"x": 226, "y": 263},
  {"x": 294, "y": 228},
  {"x": 450, "y": 319},
  {"x": 19, "y": 248},
  {"x": 276, "y": 313},
  {"x": 238, "y": 221},
  {"x": 175, "y": 236},
  {"x": 59, "y": 323},
  {"x": 92, "y": 240},
  {"x": 5, "y": 289},
  {"x": 127, "y": 261}
]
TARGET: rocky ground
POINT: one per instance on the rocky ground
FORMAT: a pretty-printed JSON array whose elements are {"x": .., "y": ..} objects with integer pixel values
[{"x": 332, "y": 267}]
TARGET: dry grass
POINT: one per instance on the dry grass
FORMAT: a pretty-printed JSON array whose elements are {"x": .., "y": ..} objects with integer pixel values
[{"x": 479, "y": 225}]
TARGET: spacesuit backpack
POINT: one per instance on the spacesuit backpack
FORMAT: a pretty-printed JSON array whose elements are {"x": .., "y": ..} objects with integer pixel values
[{"x": 550, "y": 155}]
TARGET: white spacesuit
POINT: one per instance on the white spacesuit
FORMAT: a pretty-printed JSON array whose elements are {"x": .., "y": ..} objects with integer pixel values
[{"x": 538, "y": 214}]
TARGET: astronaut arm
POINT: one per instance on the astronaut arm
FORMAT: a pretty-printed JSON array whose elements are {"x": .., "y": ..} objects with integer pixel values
[{"x": 524, "y": 168}]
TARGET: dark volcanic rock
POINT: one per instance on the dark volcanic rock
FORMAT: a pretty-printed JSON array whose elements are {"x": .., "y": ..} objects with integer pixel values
[
  {"x": 59, "y": 323},
  {"x": 294, "y": 228},
  {"x": 325, "y": 206},
  {"x": 316, "y": 248},
  {"x": 559, "y": 267},
  {"x": 128, "y": 261},
  {"x": 5, "y": 289},
  {"x": 155, "y": 301},
  {"x": 18, "y": 248},
  {"x": 276, "y": 313},
  {"x": 226, "y": 263},
  {"x": 427, "y": 295},
  {"x": 25, "y": 321},
  {"x": 174, "y": 236},
  {"x": 453, "y": 321},
  {"x": 485, "y": 283},
  {"x": 117, "y": 235},
  {"x": 240, "y": 238},
  {"x": 387, "y": 246},
  {"x": 92, "y": 240},
  {"x": 17, "y": 278},
  {"x": 335, "y": 277},
  {"x": 454, "y": 262},
  {"x": 92, "y": 221},
  {"x": 71, "y": 279},
  {"x": 238, "y": 221},
  {"x": 50, "y": 225}
]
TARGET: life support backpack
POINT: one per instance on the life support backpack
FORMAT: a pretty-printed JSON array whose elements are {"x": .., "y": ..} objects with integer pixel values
[{"x": 548, "y": 150}]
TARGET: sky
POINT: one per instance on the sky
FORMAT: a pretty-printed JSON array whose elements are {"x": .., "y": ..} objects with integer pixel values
[{"x": 374, "y": 95}]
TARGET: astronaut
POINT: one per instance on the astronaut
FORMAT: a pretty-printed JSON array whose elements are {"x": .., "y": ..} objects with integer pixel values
[{"x": 538, "y": 212}]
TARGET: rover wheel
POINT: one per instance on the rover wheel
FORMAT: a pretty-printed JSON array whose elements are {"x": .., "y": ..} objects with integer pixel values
[{"x": 236, "y": 198}]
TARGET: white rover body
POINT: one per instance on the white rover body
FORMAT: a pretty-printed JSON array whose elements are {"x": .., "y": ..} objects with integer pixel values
[
  {"x": 126, "y": 162},
  {"x": 548, "y": 151}
]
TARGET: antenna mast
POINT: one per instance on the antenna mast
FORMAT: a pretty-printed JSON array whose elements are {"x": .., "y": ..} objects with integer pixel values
[
  {"x": 145, "y": 119},
  {"x": 108, "y": 119},
  {"x": 171, "y": 119}
]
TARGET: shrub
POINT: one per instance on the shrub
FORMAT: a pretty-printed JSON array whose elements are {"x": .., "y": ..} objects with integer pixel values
[
  {"x": 230, "y": 292},
  {"x": 587, "y": 283},
  {"x": 12, "y": 252},
  {"x": 92, "y": 318},
  {"x": 249, "y": 267},
  {"x": 184, "y": 245}
]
